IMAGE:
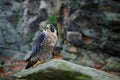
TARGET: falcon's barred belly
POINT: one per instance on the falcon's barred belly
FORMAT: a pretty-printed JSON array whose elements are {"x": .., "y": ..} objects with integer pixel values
[{"x": 43, "y": 45}]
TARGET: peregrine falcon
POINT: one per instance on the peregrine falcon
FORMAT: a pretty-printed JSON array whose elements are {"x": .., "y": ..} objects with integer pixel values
[{"x": 42, "y": 47}]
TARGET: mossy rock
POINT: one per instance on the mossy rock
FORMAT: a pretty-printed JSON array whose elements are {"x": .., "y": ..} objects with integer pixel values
[{"x": 63, "y": 70}]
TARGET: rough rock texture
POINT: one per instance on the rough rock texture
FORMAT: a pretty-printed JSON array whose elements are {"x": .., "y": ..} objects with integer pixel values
[
  {"x": 62, "y": 70},
  {"x": 9, "y": 40},
  {"x": 113, "y": 64},
  {"x": 90, "y": 31}
]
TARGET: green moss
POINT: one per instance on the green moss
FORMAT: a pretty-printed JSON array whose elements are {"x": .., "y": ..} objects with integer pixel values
[
  {"x": 57, "y": 75},
  {"x": 66, "y": 67},
  {"x": 52, "y": 19},
  {"x": 30, "y": 37}
]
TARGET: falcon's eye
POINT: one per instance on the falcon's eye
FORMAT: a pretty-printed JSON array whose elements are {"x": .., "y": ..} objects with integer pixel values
[{"x": 52, "y": 28}]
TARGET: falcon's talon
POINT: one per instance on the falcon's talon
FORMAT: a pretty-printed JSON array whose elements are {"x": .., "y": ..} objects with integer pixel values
[{"x": 38, "y": 62}]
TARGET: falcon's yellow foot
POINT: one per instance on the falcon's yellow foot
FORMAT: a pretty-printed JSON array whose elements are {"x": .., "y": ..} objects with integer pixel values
[{"x": 38, "y": 62}]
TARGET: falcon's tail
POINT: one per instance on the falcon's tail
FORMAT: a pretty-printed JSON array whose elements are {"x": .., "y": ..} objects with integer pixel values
[{"x": 29, "y": 65}]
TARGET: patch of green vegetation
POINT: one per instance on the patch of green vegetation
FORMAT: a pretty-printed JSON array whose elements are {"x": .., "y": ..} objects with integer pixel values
[
  {"x": 30, "y": 37},
  {"x": 66, "y": 67},
  {"x": 52, "y": 20}
]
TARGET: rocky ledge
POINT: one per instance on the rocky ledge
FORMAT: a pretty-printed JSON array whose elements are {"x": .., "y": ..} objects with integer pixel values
[{"x": 63, "y": 70}]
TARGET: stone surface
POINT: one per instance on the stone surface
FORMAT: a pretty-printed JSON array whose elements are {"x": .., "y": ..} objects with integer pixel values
[
  {"x": 67, "y": 56},
  {"x": 1, "y": 38},
  {"x": 113, "y": 64},
  {"x": 60, "y": 69},
  {"x": 97, "y": 24},
  {"x": 10, "y": 40}
]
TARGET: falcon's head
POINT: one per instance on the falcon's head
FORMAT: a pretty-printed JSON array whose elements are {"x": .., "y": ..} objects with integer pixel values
[{"x": 51, "y": 28}]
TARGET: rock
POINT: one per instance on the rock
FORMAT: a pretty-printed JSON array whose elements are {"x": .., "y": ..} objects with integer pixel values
[
  {"x": 110, "y": 6},
  {"x": 7, "y": 52},
  {"x": 67, "y": 53},
  {"x": 8, "y": 78},
  {"x": 112, "y": 16},
  {"x": 37, "y": 9},
  {"x": 9, "y": 38},
  {"x": 68, "y": 56},
  {"x": 31, "y": 15},
  {"x": 1, "y": 38},
  {"x": 34, "y": 25},
  {"x": 94, "y": 31},
  {"x": 33, "y": 7},
  {"x": 112, "y": 47},
  {"x": 60, "y": 69},
  {"x": 9, "y": 34},
  {"x": 15, "y": 6},
  {"x": 10, "y": 10},
  {"x": 43, "y": 5},
  {"x": 18, "y": 56},
  {"x": 22, "y": 27},
  {"x": 73, "y": 49},
  {"x": 74, "y": 37},
  {"x": 90, "y": 58},
  {"x": 113, "y": 64}
]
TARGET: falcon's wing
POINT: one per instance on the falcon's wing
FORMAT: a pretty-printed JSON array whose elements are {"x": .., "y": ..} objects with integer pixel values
[{"x": 37, "y": 43}]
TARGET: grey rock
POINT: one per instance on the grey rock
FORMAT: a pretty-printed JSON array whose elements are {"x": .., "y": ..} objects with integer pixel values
[
  {"x": 60, "y": 69},
  {"x": 112, "y": 47},
  {"x": 18, "y": 56},
  {"x": 9, "y": 38},
  {"x": 33, "y": 7},
  {"x": 112, "y": 16},
  {"x": 15, "y": 6},
  {"x": 1, "y": 38},
  {"x": 67, "y": 55},
  {"x": 7, "y": 53},
  {"x": 9, "y": 78},
  {"x": 34, "y": 25},
  {"x": 90, "y": 58},
  {"x": 99, "y": 29},
  {"x": 84, "y": 58},
  {"x": 113, "y": 64},
  {"x": 8, "y": 9},
  {"x": 9, "y": 34}
]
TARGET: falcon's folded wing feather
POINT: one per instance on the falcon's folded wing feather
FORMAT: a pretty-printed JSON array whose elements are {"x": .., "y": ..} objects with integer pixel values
[{"x": 37, "y": 43}]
